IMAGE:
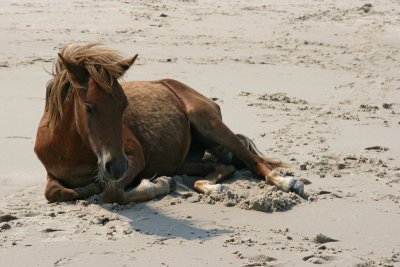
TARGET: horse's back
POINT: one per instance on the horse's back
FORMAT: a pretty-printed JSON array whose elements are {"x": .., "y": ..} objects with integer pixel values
[{"x": 192, "y": 100}]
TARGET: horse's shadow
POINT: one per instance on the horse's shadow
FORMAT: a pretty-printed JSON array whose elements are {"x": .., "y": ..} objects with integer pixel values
[{"x": 150, "y": 221}]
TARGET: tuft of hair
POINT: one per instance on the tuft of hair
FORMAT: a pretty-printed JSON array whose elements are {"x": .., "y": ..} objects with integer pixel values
[
  {"x": 100, "y": 63},
  {"x": 228, "y": 158}
]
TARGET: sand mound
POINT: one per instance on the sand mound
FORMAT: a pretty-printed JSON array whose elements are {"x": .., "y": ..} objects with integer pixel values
[{"x": 243, "y": 190}]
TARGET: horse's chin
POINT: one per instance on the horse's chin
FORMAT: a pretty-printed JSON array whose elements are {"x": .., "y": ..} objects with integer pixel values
[{"x": 103, "y": 178}]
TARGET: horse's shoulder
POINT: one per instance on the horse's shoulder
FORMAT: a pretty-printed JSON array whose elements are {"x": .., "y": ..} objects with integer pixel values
[
  {"x": 43, "y": 130},
  {"x": 43, "y": 143},
  {"x": 46, "y": 141}
]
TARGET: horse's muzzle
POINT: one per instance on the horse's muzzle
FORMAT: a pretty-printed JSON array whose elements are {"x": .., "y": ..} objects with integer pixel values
[{"x": 115, "y": 169}]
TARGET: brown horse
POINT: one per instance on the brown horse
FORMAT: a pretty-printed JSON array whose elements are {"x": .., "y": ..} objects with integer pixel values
[{"x": 97, "y": 135}]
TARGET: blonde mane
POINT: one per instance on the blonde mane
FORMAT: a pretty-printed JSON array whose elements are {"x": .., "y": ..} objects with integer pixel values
[{"x": 101, "y": 64}]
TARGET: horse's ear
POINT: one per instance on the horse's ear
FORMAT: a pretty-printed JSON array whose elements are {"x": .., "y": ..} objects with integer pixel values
[
  {"x": 125, "y": 64},
  {"x": 78, "y": 74}
]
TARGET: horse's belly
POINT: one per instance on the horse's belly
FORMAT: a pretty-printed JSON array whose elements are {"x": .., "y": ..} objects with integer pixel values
[{"x": 158, "y": 120}]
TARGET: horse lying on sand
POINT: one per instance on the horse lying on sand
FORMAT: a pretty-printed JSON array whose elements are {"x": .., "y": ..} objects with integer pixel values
[{"x": 98, "y": 135}]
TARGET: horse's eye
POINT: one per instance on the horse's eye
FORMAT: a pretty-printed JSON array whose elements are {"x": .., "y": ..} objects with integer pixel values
[{"x": 88, "y": 109}]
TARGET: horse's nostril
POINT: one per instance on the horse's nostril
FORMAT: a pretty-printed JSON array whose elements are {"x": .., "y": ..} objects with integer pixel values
[
  {"x": 115, "y": 168},
  {"x": 127, "y": 165},
  {"x": 108, "y": 167}
]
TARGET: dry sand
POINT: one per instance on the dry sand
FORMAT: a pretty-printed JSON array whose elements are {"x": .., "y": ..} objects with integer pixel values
[{"x": 314, "y": 83}]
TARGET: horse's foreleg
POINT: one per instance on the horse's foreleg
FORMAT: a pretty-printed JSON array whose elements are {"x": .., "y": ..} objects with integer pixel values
[
  {"x": 114, "y": 191},
  {"x": 148, "y": 190},
  {"x": 55, "y": 192}
]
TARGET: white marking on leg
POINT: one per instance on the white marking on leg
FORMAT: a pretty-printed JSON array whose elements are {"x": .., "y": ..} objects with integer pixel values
[
  {"x": 145, "y": 184},
  {"x": 281, "y": 182},
  {"x": 147, "y": 188},
  {"x": 162, "y": 186},
  {"x": 208, "y": 187}
]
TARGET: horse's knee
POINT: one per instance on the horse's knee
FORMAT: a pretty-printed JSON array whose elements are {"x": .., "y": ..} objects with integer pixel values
[
  {"x": 56, "y": 193},
  {"x": 114, "y": 194},
  {"x": 53, "y": 193}
]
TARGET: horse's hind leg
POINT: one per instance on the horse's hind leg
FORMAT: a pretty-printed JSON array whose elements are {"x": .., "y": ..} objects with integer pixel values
[
  {"x": 55, "y": 192},
  {"x": 209, "y": 124},
  {"x": 213, "y": 174},
  {"x": 205, "y": 117}
]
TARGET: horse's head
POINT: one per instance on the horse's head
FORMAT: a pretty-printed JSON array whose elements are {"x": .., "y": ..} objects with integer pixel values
[{"x": 98, "y": 108}]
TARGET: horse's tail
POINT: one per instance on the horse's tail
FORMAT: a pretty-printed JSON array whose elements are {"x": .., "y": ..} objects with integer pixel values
[{"x": 227, "y": 157}]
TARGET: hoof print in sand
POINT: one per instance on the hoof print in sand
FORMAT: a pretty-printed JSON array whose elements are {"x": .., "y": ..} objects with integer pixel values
[
  {"x": 260, "y": 260},
  {"x": 318, "y": 259},
  {"x": 377, "y": 148},
  {"x": 7, "y": 218}
]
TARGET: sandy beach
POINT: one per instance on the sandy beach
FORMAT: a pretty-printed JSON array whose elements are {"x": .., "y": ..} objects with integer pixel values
[{"x": 313, "y": 83}]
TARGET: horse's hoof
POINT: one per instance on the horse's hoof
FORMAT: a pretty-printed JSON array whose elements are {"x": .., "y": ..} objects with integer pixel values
[
  {"x": 170, "y": 181},
  {"x": 216, "y": 188},
  {"x": 172, "y": 184},
  {"x": 297, "y": 187}
]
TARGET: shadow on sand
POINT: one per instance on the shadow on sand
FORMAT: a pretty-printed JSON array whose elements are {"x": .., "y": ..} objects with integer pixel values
[{"x": 148, "y": 220}]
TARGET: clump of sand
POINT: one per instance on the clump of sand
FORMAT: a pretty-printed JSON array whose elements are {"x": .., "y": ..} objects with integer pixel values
[{"x": 245, "y": 191}]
